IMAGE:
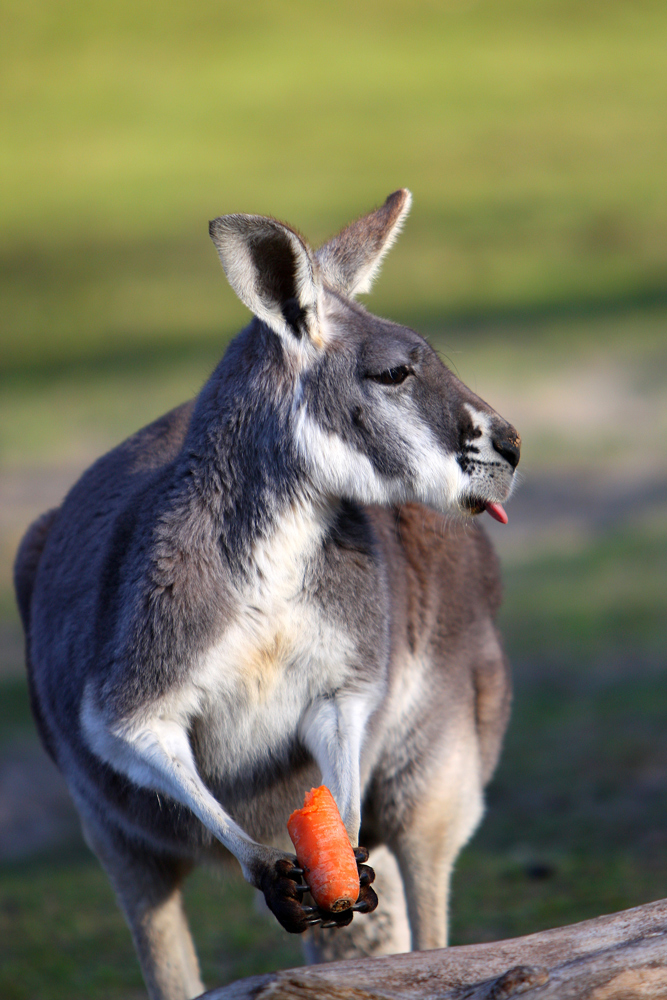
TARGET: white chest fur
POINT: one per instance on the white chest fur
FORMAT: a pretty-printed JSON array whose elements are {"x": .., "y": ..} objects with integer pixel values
[
  {"x": 277, "y": 655},
  {"x": 264, "y": 673}
]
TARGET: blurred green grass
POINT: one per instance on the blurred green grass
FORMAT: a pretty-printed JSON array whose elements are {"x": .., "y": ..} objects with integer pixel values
[
  {"x": 532, "y": 134},
  {"x": 602, "y": 603},
  {"x": 63, "y": 937}
]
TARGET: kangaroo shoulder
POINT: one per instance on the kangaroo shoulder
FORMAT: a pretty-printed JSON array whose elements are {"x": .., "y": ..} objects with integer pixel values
[
  {"x": 159, "y": 442},
  {"x": 95, "y": 519},
  {"x": 114, "y": 482}
]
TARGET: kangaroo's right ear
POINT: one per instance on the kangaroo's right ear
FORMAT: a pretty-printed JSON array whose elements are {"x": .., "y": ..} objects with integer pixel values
[
  {"x": 351, "y": 260},
  {"x": 271, "y": 270}
]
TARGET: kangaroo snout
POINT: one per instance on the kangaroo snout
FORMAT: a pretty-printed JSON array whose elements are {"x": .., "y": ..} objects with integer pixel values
[{"x": 507, "y": 443}]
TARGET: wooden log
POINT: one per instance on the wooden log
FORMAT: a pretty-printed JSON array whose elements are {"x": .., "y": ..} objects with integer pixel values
[{"x": 621, "y": 956}]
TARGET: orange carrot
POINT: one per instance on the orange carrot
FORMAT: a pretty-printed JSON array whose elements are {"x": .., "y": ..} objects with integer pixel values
[{"x": 324, "y": 851}]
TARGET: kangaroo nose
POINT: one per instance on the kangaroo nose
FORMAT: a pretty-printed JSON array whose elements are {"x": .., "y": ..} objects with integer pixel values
[{"x": 509, "y": 446}]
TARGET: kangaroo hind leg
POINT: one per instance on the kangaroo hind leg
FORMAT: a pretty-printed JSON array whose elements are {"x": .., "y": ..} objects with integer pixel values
[
  {"x": 147, "y": 887},
  {"x": 427, "y": 844}
]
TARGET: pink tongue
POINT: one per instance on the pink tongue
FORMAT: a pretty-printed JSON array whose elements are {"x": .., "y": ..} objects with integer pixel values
[{"x": 497, "y": 512}]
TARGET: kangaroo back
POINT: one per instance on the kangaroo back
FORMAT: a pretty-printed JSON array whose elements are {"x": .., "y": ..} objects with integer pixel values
[
  {"x": 27, "y": 560},
  {"x": 25, "y": 570}
]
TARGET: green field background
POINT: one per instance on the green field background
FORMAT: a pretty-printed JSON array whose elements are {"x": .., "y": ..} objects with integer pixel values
[
  {"x": 532, "y": 132},
  {"x": 533, "y": 135}
]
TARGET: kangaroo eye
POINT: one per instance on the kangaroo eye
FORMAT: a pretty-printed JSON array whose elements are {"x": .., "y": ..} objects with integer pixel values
[{"x": 393, "y": 376}]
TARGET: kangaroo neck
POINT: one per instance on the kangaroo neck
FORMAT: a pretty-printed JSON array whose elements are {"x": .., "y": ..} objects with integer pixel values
[{"x": 244, "y": 470}]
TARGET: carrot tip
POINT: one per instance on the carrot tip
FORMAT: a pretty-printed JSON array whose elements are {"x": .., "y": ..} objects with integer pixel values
[{"x": 341, "y": 904}]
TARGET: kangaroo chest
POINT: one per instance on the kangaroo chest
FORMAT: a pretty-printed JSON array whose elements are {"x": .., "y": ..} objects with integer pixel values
[
  {"x": 297, "y": 631},
  {"x": 255, "y": 683},
  {"x": 287, "y": 642},
  {"x": 282, "y": 644}
]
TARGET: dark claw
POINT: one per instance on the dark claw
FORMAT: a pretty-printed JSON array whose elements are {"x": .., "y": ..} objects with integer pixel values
[
  {"x": 303, "y": 889},
  {"x": 367, "y": 901},
  {"x": 310, "y": 909},
  {"x": 341, "y": 919},
  {"x": 366, "y": 875},
  {"x": 286, "y": 869},
  {"x": 313, "y": 920}
]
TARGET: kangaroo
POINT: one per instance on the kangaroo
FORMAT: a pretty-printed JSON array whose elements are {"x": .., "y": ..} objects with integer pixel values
[{"x": 276, "y": 585}]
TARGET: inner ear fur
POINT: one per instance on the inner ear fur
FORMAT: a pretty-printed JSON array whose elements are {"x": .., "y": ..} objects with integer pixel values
[
  {"x": 271, "y": 270},
  {"x": 350, "y": 261}
]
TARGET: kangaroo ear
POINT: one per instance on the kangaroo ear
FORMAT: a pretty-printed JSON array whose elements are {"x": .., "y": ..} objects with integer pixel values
[
  {"x": 271, "y": 270},
  {"x": 350, "y": 261}
]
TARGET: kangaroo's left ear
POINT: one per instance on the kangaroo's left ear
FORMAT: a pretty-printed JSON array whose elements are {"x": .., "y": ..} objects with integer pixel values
[
  {"x": 351, "y": 260},
  {"x": 271, "y": 270}
]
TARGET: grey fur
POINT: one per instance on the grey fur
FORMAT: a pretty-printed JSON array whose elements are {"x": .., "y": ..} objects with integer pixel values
[{"x": 248, "y": 597}]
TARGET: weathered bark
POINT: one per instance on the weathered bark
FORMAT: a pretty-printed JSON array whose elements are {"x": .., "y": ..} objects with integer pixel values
[{"x": 622, "y": 956}]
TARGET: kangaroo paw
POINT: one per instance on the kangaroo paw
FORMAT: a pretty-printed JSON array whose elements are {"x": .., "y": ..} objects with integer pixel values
[
  {"x": 282, "y": 888},
  {"x": 281, "y": 883}
]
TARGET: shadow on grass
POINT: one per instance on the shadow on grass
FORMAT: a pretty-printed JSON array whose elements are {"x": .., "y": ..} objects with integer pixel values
[{"x": 141, "y": 350}]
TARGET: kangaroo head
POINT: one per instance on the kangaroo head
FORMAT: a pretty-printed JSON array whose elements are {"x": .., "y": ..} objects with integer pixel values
[{"x": 375, "y": 415}]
